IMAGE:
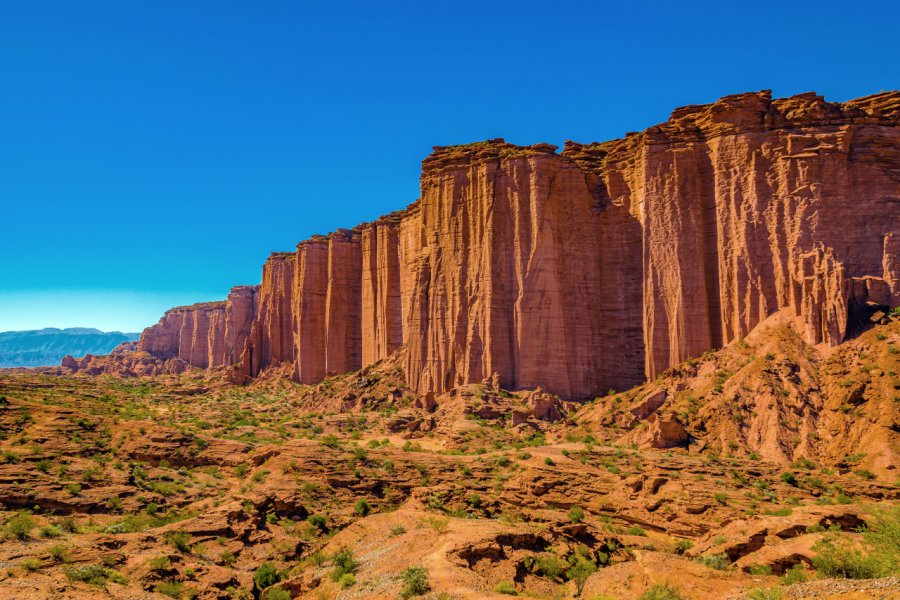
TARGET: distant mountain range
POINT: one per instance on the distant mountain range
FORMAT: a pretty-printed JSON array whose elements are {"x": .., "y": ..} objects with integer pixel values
[{"x": 46, "y": 347}]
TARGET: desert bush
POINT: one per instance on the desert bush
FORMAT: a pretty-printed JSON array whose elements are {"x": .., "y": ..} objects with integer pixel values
[
  {"x": 790, "y": 479},
  {"x": 362, "y": 507},
  {"x": 415, "y": 582},
  {"x": 765, "y": 594},
  {"x": 173, "y": 589},
  {"x": 439, "y": 524},
  {"x": 550, "y": 565},
  {"x": 265, "y": 575},
  {"x": 58, "y": 552},
  {"x": 50, "y": 531},
  {"x": 180, "y": 539},
  {"x": 716, "y": 561},
  {"x": 635, "y": 530},
  {"x": 759, "y": 570},
  {"x": 662, "y": 591},
  {"x": 318, "y": 522},
  {"x": 576, "y": 514},
  {"x": 343, "y": 563},
  {"x": 582, "y": 568},
  {"x": 94, "y": 575},
  {"x": 879, "y": 557},
  {"x": 31, "y": 564},
  {"x": 796, "y": 574},
  {"x": 505, "y": 587},
  {"x": 278, "y": 594},
  {"x": 19, "y": 526}
]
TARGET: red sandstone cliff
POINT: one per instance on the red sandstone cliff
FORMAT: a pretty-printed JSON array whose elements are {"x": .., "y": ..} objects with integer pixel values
[{"x": 592, "y": 268}]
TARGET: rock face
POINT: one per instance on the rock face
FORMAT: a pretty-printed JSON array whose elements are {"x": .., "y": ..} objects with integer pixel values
[{"x": 588, "y": 269}]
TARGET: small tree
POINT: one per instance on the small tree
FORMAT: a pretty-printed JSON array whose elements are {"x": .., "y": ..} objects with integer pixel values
[
  {"x": 415, "y": 582},
  {"x": 362, "y": 507},
  {"x": 576, "y": 515},
  {"x": 265, "y": 576},
  {"x": 581, "y": 569}
]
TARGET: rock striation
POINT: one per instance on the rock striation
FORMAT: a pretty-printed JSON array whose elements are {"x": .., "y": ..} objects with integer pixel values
[{"x": 588, "y": 269}]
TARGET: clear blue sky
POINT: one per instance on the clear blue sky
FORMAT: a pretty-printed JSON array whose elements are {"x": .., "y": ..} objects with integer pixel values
[{"x": 153, "y": 153}]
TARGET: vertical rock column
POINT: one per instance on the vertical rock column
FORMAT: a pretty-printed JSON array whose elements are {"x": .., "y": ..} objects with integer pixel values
[
  {"x": 240, "y": 312},
  {"x": 381, "y": 321},
  {"x": 309, "y": 310},
  {"x": 271, "y": 338},
  {"x": 215, "y": 337},
  {"x": 503, "y": 259},
  {"x": 343, "y": 343}
]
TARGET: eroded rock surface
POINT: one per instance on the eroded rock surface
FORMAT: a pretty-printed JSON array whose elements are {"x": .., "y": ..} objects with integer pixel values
[{"x": 589, "y": 269}]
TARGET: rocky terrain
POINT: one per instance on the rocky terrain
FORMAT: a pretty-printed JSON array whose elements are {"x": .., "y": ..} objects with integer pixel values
[
  {"x": 764, "y": 470},
  {"x": 658, "y": 368}
]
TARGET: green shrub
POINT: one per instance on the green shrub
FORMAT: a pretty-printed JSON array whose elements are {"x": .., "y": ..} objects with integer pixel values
[
  {"x": 265, "y": 575},
  {"x": 58, "y": 552},
  {"x": 550, "y": 565},
  {"x": 318, "y": 522},
  {"x": 879, "y": 557},
  {"x": 505, "y": 587},
  {"x": 716, "y": 561},
  {"x": 161, "y": 563},
  {"x": 172, "y": 589},
  {"x": 343, "y": 563},
  {"x": 790, "y": 479},
  {"x": 180, "y": 539},
  {"x": 635, "y": 530},
  {"x": 19, "y": 526},
  {"x": 661, "y": 591},
  {"x": 362, "y": 507},
  {"x": 582, "y": 568},
  {"x": 765, "y": 594},
  {"x": 415, "y": 582},
  {"x": 759, "y": 570},
  {"x": 278, "y": 594},
  {"x": 346, "y": 580},
  {"x": 682, "y": 546},
  {"x": 94, "y": 575},
  {"x": 796, "y": 574},
  {"x": 31, "y": 564},
  {"x": 397, "y": 530},
  {"x": 576, "y": 515}
]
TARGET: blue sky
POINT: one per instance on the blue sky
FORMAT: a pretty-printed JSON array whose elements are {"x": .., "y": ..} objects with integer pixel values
[{"x": 154, "y": 153}]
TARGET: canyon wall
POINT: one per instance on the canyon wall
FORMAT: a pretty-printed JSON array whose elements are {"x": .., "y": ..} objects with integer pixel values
[{"x": 588, "y": 269}]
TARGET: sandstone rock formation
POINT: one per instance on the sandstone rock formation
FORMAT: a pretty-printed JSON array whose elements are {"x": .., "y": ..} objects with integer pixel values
[{"x": 588, "y": 269}]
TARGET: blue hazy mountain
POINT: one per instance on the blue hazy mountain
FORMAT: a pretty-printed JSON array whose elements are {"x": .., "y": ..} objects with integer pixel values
[{"x": 46, "y": 347}]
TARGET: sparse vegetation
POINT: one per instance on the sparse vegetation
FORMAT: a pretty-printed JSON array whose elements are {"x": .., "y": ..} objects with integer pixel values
[
  {"x": 576, "y": 515},
  {"x": 415, "y": 582},
  {"x": 838, "y": 555},
  {"x": 715, "y": 561},
  {"x": 662, "y": 591},
  {"x": 505, "y": 587}
]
